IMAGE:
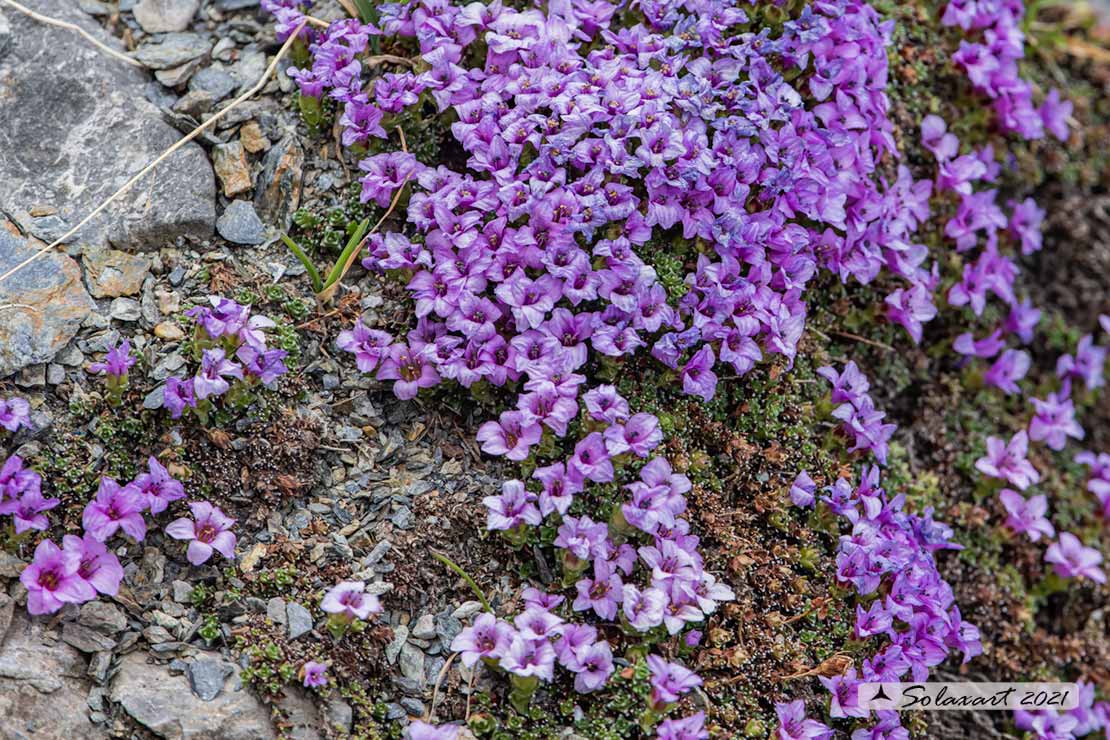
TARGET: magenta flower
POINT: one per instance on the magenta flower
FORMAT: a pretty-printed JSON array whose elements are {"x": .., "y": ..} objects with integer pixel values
[
  {"x": 639, "y": 435},
  {"x": 793, "y": 724},
  {"x": 595, "y": 667},
  {"x": 385, "y": 173},
  {"x": 605, "y": 404},
  {"x": 14, "y": 413},
  {"x": 367, "y": 345},
  {"x": 118, "y": 361},
  {"x": 410, "y": 370},
  {"x": 208, "y": 532},
  {"x": 848, "y": 386},
  {"x": 28, "y": 506},
  {"x": 643, "y": 609},
  {"x": 115, "y": 508},
  {"x": 350, "y": 600},
  {"x": 514, "y": 507},
  {"x": 512, "y": 436},
  {"x": 669, "y": 681},
  {"x": 97, "y": 565},
  {"x": 698, "y": 378},
  {"x": 178, "y": 395},
  {"x": 1054, "y": 114},
  {"x": 1010, "y": 367},
  {"x": 1070, "y": 558},
  {"x": 1008, "y": 462},
  {"x": 158, "y": 487},
  {"x": 683, "y": 728},
  {"x": 527, "y": 658},
  {"x": 421, "y": 730},
  {"x": 1054, "y": 421},
  {"x": 1086, "y": 365},
  {"x": 1027, "y": 516},
  {"x": 602, "y": 593},
  {"x": 211, "y": 379},
  {"x": 51, "y": 580},
  {"x": 845, "y": 695},
  {"x": 488, "y": 638},
  {"x": 802, "y": 490},
  {"x": 314, "y": 674},
  {"x": 591, "y": 459}
]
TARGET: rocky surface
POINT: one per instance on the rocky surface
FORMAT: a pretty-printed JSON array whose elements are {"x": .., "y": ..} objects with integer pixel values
[
  {"x": 75, "y": 125},
  {"x": 167, "y": 705},
  {"x": 42, "y": 308}
]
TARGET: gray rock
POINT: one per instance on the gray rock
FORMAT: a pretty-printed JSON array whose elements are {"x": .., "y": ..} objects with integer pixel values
[
  {"x": 155, "y": 399},
  {"x": 47, "y": 301},
  {"x": 278, "y": 186},
  {"x": 298, "y": 619},
  {"x": 412, "y": 662},
  {"x": 42, "y": 686},
  {"x": 214, "y": 80},
  {"x": 99, "y": 664},
  {"x": 175, "y": 77},
  {"x": 207, "y": 676},
  {"x": 414, "y": 707},
  {"x": 425, "y": 627},
  {"x": 75, "y": 126},
  {"x": 240, "y": 224},
  {"x": 339, "y": 715},
  {"x": 275, "y": 610},
  {"x": 236, "y": 4},
  {"x": 447, "y": 628},
  {"x": 165, "y": 705},
  {"x": 7, "y": 611},
  {"x": 50, "y": 228},
  {"x": 85, "y": 639},
  {"x": 250, "y": 68},
  {"x": 5, "y": 36},
  {"x": 172, "y": 50},
  {"x": 230, "y": 163},
  {"x": 159, "y": 16},
  {"x": 195, "y": 103},
  {"x": 393, "y": 649},
  {"x": 182, "y": 591},
  {"x": 103, "y": 617},
  {"x": 125, "y": 309},
  {"x": 55, "y": 374}
]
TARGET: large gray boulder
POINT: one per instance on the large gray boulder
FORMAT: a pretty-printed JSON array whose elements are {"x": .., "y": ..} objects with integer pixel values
[
  {"x": 43, "y": 689},
  {"x": 75, "y": 126},
  {"x": 168, "y": 705},
  {"x": 41, "y": 306}
]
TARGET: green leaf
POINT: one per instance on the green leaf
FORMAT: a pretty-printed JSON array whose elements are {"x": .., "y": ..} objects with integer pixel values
[
  {"x": 311, "y": 268},
  {"x": 352, "y": 244}
]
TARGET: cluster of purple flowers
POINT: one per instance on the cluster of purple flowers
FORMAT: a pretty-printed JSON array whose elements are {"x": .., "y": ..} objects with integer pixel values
[
  {"x": 15, "y": 414},
  {"x": 860, "y": 421},
  {"x": 115, "y": 367},
  {"x": 85, "y": 566},
  {"x": 234, "y": 357},
  {"x": 1086, "y": 719},
  {"x": 21, "y": 496},
  {"x": 991, "y": 65}
]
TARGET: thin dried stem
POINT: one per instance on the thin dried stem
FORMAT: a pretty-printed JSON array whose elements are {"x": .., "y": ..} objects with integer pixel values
[
  {"x": 164, "y": 155},
  {"x": 75, "y": 28},
  {"x": 435, "y": 690}
]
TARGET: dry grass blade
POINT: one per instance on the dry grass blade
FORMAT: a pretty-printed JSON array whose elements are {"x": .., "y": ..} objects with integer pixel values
[
  {"x": 75, "y": 28},
  {"x": 164, "y": 155}
]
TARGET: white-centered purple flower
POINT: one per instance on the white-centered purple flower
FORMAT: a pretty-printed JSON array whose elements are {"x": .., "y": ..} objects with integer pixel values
[
  {"x": 208, "y": 531},
  {"x": 350, "y": 600}
]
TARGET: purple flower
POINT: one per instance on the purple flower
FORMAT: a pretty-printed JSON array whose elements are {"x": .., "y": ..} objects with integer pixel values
[
  {"x": 1070, "y": 558},
  {"x": 1054, "y": 421},
  {"x": 639, "y": 435},
  {"x": 1086, "y": 365},
  {"x": 526, "y": 658},
  {"x": 208, "y": 532},
  {"x": 215, "y": 368},
  {"x": 1008, "y": 462},
  {"x": 514, "y": 507},
  {"x": 28, "y": 506},
  {"x": 602, "y": 593},
  {"x": 935, "y": 138},
  {"x": 51, "y": 580},
  {"x": 14, "y": 413},
  {"x": 1010, "y": 367},
  {"x": 967, "y": 344},
  {"x": 698, "y": 378},
  {"x": 350, "y": 600},
  {"x": 487, "y": 638},
  {"x": 1025, "y": 225},
  {"x": 118, "y": 361},
  {"x": 97, "y": 565},
  {"x": 114, "y": 508},
  {"x": 385, "y": 173},
  {"x": 683, "y": 728},
  {"x": 158, "y": 487},
  {"x": 595, "y": 666},
  {"x": 802, "y": 490},
  {"x": 559, "y": 488},
  {"x": 313, "y": 673},
  {"x": 845, "y": 695},
  {"x": 1054, "y": 114},
  {"x": 177, "y": 395},
  {"x": 1022, "y": 320},
  {"x": 793, "y": 724},
  {"x": 421, "y": 730},
  {"x": 669, "y": 681},
  {"x": 1027, "y": 516},
  {"x": 410, "y": 369},
  {"x": 849, "y": 386},
  {"x": 643, "y": 609},
  {"x": 512, "y": 436},
  {"x": 591, "y": 459}
]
